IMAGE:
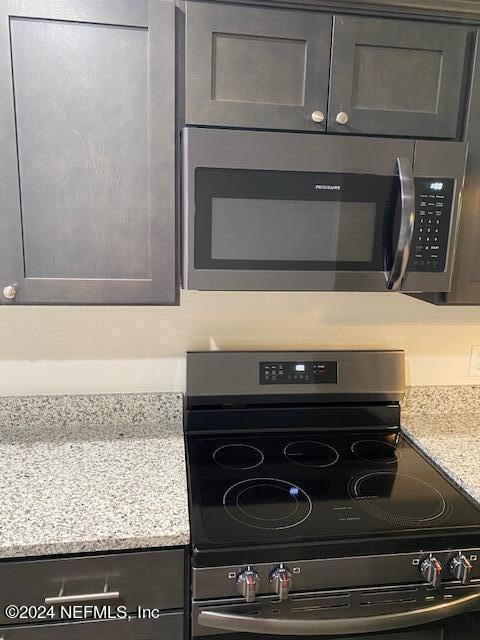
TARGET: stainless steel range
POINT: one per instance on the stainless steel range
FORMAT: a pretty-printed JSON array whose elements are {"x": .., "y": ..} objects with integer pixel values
[{"x": 311, "y": 512}]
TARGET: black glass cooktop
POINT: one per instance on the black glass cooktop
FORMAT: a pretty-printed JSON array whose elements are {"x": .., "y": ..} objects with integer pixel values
[{"x": 316, "y": 486}]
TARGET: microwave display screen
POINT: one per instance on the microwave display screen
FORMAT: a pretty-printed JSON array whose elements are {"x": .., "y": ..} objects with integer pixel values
[{"x": 312, "y": 230}]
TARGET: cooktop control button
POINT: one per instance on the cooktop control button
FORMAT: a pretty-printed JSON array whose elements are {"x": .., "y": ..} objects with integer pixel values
[
  {"x": 248, "y": 583},
  {"x": 281, "y": 581},
  {"x": 460, "y": 568},
  {"x": 431, "y": 570}
]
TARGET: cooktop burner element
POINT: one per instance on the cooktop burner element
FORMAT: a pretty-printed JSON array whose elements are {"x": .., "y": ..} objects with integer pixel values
[
  {"x": 375, "y": 451},
  {"x": 238, "y": 456},
  {"x": 310, "y": 453},
  {"x": 398, "y": 498},
  {"x": 267, "y": 503}
]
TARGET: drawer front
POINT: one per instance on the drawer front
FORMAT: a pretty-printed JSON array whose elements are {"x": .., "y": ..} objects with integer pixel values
[
  {"x": 148, "y": 579},
  {"x": 168, "y": 627}
]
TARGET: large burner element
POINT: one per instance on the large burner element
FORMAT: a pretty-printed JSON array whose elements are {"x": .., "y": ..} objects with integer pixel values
[
  {"x": 376, "y": 451},
  {"x": 238, "y": 456},
  {"x": 398, "y": 498},
  {"x": 310, "y": 453},
  {"x": 267, "y": 503}
]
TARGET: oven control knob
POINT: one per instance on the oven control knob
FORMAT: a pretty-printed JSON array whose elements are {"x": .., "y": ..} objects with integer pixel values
[
  {"x": 460, "y": 568},
  {"x": 281, "y": 581},
  {"x": 431, "y": 570},
  {"x": 248, "y": 583}
]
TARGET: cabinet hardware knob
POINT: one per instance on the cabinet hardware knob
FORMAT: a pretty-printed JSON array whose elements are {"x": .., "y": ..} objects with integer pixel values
[
  {"x": 342, "y": 117},
  {"x": 9, "y": 292},
  {"x": 318, "y": 116}
]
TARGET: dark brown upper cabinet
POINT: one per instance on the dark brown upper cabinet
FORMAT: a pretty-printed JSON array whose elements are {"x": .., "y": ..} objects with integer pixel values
[
  {"x": 396, "y": 77},
  {"x": 87, "y": 163},
  {"x": 258, "y": 68},
  {"x": 270, "y": 69}
]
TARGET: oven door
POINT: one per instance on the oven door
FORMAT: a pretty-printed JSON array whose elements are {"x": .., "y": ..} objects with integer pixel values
[
  {"x": 286, "y": 211},
  {"x": 465, "y": 627},
  {"x": 398, "y": 625}
]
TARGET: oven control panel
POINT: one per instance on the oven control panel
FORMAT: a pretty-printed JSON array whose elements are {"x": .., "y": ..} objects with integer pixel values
[
  {"x": 433, "y": 208},
  {"x": 322, "y": 372}
]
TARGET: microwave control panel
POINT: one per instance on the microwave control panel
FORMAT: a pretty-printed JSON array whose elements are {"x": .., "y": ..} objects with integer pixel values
[
  {"x": 298, "y": 372},
  {"x": 433, "y": 209}
]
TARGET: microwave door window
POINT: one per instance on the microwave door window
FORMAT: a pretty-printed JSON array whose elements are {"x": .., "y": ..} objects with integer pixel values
[
  {"x": 292, "y": 230},
  {"x": 291, "y": 221}
]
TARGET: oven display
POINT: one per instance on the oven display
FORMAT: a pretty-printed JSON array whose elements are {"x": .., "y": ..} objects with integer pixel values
[{"x": 298, "y": 372}]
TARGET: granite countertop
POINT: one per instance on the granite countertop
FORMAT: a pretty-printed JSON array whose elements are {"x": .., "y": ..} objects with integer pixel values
[
  {"x": 452, "y": 442},
  {"x": 91, "y": 473},
  {"x": 444, "y": 422}
]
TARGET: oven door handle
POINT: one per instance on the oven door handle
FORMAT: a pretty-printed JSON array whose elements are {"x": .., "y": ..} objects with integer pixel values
[
  {"x": 337, "y": 626},
  {"x": 395, "y": 277}
]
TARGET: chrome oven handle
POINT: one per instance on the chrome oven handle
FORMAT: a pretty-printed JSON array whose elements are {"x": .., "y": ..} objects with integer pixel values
[
  {"x": 337, "y": 626},
  {"x": 402, "y": 253}
]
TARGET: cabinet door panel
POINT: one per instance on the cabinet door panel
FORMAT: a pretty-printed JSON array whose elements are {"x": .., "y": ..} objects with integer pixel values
[
  {"x": 250, "y": 67},
  {"x": 397, "y": 77},
  {"x": 90, "y": 131},
  {"x": 466, "y": 275},
  {"x": 168, "y": 626},
  {"x": 151, "y": 579}
]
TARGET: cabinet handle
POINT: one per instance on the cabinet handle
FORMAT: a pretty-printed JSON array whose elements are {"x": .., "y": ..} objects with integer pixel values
[
  {"x": 318, "y": 116},
  {"x": 9, "y": 292},
  {"x": 342, "y": 117},
  {"x": 83, "y": 597}
]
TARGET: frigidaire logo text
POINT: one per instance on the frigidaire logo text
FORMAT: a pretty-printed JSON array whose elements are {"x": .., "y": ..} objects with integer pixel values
[{"x": 328, "y": 187}]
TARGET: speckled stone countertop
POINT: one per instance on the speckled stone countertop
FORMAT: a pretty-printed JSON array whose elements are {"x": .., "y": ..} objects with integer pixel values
[
  {"x": 452, "y": 442},
  {"x": 91, "y": 473},
  {"x": 444, "y": 422}
]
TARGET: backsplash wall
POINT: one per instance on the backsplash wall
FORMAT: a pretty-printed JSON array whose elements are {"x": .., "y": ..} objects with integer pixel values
[{"x": 56, "y": 350}]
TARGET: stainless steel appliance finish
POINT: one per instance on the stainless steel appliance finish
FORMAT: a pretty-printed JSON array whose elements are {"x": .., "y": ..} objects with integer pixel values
[
  {"x": 364, "y": 373},
  {"x": 311, "y": 513},
  {"x": 358, "y": 158}
]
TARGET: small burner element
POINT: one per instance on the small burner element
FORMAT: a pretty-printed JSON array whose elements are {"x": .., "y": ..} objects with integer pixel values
[
  {"x": 376, "y": 451},
  {"x": 238, "y": 456},
  {"x": 310, "y": 453},
  {"x": 398, "y": 498},
  {"x": 267, "y": 503}
]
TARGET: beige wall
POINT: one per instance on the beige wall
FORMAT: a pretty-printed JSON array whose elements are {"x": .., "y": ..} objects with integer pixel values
[{"x": 107, "y": 349}]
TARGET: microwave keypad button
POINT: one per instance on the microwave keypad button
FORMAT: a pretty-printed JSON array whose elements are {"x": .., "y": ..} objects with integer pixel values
[{"x": 432, "y": 224}]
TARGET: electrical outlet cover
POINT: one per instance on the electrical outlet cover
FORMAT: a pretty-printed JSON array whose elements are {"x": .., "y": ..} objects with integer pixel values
[{"x": 474, "y": 368}]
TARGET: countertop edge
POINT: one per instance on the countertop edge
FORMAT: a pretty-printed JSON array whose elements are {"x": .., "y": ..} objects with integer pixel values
[{"x": 31, "y": 552}]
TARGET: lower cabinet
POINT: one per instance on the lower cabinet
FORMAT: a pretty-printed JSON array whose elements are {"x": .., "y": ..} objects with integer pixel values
[
  {"x": 169, "y": 626},
  {"x": 116, "y": 596}
]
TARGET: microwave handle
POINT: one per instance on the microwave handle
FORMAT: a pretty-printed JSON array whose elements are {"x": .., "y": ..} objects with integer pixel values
[
  {"x": 402, "y": 254},
  {"x": 337, "y": 626}
]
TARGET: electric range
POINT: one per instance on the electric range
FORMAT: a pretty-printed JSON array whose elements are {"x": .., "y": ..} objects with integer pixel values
[{"x": 311, "y": 513}]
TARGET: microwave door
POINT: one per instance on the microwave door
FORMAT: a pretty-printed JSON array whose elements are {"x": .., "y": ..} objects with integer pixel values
[{"x": 284, "y": 228}]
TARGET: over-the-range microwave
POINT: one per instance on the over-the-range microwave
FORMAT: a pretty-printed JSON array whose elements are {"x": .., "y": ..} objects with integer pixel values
[{"x": 303, "y": 212}]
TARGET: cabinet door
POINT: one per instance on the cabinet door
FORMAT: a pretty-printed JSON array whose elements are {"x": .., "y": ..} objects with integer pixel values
[
  {"x": 87, "y": 168},
  {"x": 397, "y": 77},
  {"x": 466, "y": 275},
  {"x": 257, "y": 68},
  {"x": 169, "y": 626}
]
